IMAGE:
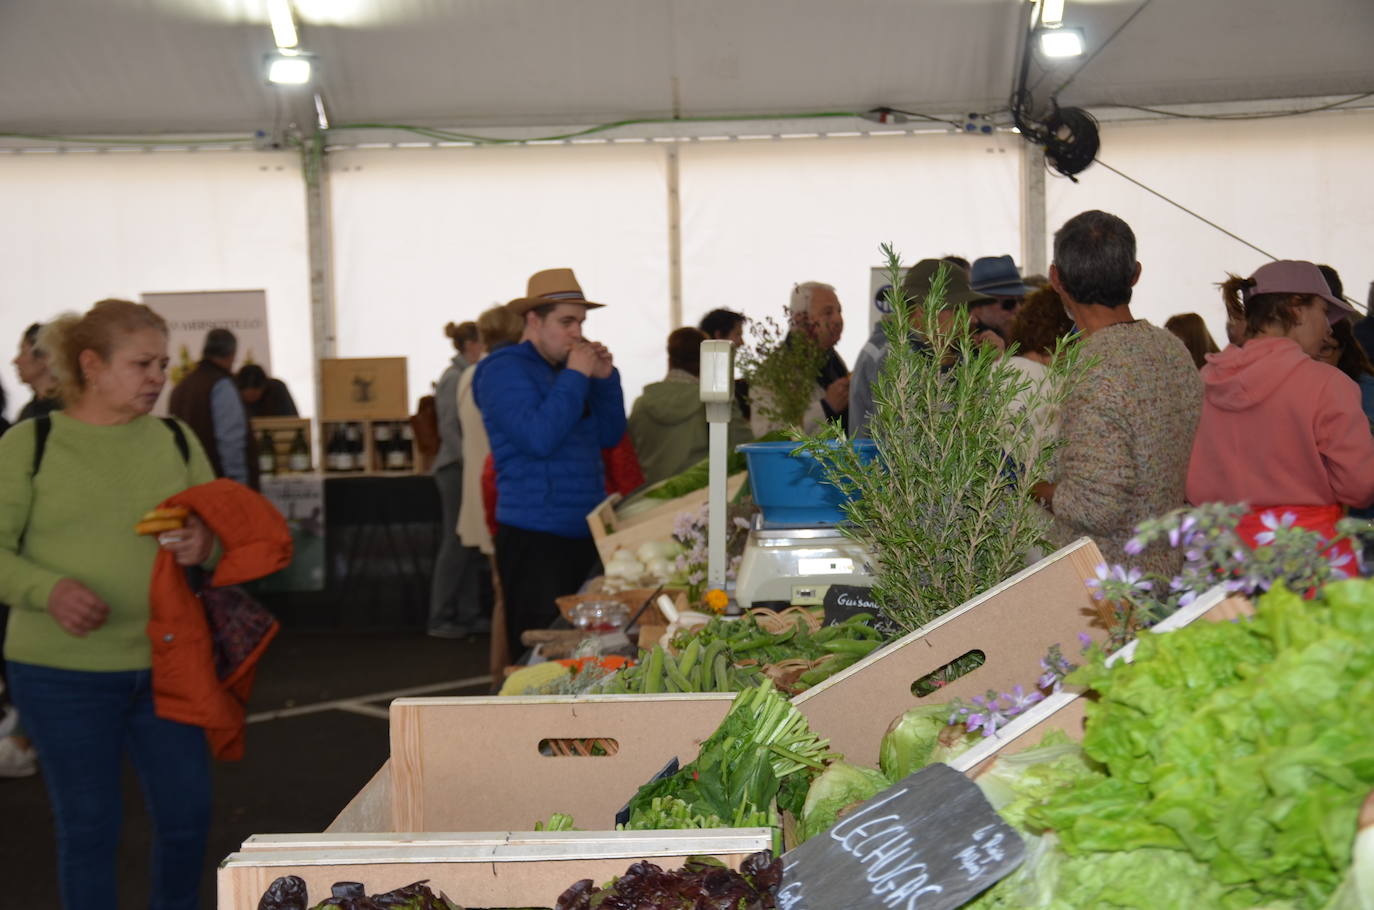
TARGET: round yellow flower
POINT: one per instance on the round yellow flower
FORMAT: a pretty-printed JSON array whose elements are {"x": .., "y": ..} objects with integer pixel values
[{"x": 717, "y": 600}]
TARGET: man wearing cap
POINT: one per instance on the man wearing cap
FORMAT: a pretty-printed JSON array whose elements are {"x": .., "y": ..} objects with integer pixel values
[
  {"x": 998, "y": 278},
  {"x": 1128, "y": 425},
  {"x": 550, "y": 405},
  {"x": 916, "y": 285}
]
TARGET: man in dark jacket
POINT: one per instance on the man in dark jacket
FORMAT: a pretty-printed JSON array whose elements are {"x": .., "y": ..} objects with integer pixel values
[
  {"x": 208, "y": 400},
  {"x": 550, "y": 405}
]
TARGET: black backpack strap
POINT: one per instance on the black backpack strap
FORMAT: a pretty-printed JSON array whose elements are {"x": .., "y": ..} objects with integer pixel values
[
  {"x": 182, "y": 445},
  {"x": 42, "y": 426}
]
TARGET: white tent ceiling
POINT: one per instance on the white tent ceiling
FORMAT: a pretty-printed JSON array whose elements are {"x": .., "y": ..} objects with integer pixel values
[{"x": 195, "y": 66}]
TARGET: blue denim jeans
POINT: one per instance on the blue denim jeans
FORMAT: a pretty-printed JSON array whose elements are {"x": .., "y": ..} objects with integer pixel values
[{"x": 83, "y": 724}]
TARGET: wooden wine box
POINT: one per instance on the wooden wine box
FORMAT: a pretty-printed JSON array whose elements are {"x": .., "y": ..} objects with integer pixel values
[
  {"x": 363, "y": 388},
  {"x": 283, "y": 432},
  {"x": 1012, "y": 625},
  {"x": 372, "y": 454}
]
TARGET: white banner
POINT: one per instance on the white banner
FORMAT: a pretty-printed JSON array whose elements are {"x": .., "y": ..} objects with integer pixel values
[{"x": 191, "y": 314}]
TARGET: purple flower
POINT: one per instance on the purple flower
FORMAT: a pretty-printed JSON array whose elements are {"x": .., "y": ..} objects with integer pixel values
[
  {"x": 1103, "y": 573},
  {"x": 1134, "y": 547},
  {"x": 1085, "y": 640},
  {"x": 1018, "y": 700},
  {"x": 1338, "y": 562},
  {"x": 1183, "y": 535},
  {"x": 1274, "y": 524}
]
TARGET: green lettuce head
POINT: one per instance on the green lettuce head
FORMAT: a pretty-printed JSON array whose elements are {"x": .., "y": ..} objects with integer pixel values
[{"x": 841, "y": 786}]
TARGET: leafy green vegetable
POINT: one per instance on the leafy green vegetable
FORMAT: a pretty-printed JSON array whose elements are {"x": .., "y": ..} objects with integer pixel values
[
  {"x": 1237, "y": 756},
  {"x": 920, "y": 736},
  {"x": 559, "y": 821},
  {"x": 839, "y": 787},
  {"x": 736, "y": 778}
]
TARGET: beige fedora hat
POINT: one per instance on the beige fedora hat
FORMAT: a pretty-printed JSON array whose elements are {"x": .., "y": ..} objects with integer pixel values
[{"x": 550, "y": 286}]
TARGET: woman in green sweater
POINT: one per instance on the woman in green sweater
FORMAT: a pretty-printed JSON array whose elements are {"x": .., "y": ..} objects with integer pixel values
[{"x": 77, "y": 577}]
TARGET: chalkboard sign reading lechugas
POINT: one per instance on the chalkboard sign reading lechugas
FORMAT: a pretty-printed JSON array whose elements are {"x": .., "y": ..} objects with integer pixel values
[
  {"x": 843, "y": 601},
  {"x": 932, "y": 842}
]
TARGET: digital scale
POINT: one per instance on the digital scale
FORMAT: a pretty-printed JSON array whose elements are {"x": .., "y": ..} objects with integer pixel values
[
  {"x": 782, "y": 563},
  {"x": 794, "y": 565}
]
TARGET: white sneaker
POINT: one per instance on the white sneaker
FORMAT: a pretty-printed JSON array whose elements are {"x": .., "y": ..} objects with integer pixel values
[{"x": 16, "y": 760}]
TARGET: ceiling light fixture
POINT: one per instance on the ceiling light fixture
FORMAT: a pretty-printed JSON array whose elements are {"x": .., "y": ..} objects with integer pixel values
[
  {"x": 1062, "y": 42},
  {"x": 287, "y": 67},
  {"x": 1051, "y": 13},
  {"x": 283, "y": 25}
]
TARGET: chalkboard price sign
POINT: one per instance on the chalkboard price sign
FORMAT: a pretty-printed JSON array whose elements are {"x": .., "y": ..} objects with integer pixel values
[
  {"x": 932, "y": 842},
  {"x": 843, "y": 601}
]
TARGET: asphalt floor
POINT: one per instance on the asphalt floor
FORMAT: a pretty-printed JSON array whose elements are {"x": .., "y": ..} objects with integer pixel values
[{"x": 317, "y": 734}]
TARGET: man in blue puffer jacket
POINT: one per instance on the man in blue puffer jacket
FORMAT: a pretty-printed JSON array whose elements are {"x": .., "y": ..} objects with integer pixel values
[{"x": 550, "y": 405}]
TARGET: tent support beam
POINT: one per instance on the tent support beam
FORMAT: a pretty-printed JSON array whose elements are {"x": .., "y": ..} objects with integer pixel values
[
  {"x": 1034, "y": 237},
  {"x": 320, "y": 242},
  {"x": 674, "y": 239}
]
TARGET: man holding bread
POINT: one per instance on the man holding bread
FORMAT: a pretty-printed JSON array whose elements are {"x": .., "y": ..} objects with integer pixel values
[{"x": 550, "y": 405}]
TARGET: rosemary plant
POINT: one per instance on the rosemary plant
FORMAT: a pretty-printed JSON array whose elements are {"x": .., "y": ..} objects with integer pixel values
[
  {"x": 945, "y": 508},
  {"x": 781, "y": 369}
]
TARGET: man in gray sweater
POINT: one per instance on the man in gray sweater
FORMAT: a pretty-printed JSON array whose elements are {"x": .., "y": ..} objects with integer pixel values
[{"x": 1128, "y": 426}]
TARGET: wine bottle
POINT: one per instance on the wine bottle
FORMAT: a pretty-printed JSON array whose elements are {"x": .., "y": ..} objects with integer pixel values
[
  {"x": 353, "y": 449},
  {"x": 396, "y": 455},
  {"x": 336, "y": 457},
  {"x": 267, "y": 454},
  {"x": 298, "y": 456},
  {"x": 407, "y": 446}
]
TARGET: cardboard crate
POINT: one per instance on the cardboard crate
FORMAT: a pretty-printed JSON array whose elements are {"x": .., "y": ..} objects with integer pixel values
[
  {"x": 501, "y": 869},
  {"x": 1066, "y": 710},
  {"x": 611, "y": 532},
  {"x": 363, "y": 388},
  {"x": 283, "y": 432},
  {"x": 1013, "y": 625}
]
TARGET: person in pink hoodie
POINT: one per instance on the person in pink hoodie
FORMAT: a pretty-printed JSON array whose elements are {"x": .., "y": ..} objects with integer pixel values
[{"x": 1282, "y": 431}]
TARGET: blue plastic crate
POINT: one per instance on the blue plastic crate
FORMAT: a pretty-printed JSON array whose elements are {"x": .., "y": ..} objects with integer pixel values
[{"x": 791, "y": 490}]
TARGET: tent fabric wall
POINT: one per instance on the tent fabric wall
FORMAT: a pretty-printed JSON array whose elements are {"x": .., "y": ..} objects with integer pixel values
[
  {"x": 425, "y": 237},
  {"x": 760, "y": 216},
  {"x": 1297, "y": 188},
  {"x": 81, "y": 227}
]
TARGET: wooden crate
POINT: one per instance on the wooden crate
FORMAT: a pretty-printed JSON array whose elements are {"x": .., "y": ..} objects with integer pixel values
[
  {"x": 364, "y": 388},
  {"x": 372, "y": 458},
  {"x": 1066, "y": 710},
  {"x": 610, "y": 532},
  {"x": 1013, "y": 625},
  {"x": 501, "y": 869},
  {"x": 283, "y": 432},
  {"x": 475, "y": 764}
]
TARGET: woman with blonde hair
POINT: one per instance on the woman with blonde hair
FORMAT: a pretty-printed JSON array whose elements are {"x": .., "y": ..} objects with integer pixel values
[
  {"x": 72, "y": 487},
  {"x": 1281, "y": 430},
  {"x": 1192, "y": 331}
]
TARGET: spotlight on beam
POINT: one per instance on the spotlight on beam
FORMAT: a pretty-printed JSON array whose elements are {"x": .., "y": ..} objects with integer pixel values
[
  {"x": 1062, "y": 42},
  {"x": 286, "y": 67}
]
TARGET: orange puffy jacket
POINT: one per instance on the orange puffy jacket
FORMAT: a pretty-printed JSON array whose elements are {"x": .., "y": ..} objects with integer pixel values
[{"x": 255, "y": 541}]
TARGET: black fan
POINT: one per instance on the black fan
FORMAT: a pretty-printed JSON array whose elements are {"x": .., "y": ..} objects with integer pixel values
[{"x": 1071, "y": 140}]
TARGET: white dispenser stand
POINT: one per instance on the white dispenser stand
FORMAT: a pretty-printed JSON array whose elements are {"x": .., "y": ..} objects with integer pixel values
[{"x": 718, "y": 393}]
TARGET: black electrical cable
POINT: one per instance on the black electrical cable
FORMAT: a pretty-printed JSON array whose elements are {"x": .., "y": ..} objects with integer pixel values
[
  {"x": 1263, "y": 115},
  {"x": 1178, "y": 205}
]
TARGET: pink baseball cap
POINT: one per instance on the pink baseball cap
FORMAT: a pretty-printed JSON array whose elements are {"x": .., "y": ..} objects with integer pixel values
[{"x": 1294, "y": 276}]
